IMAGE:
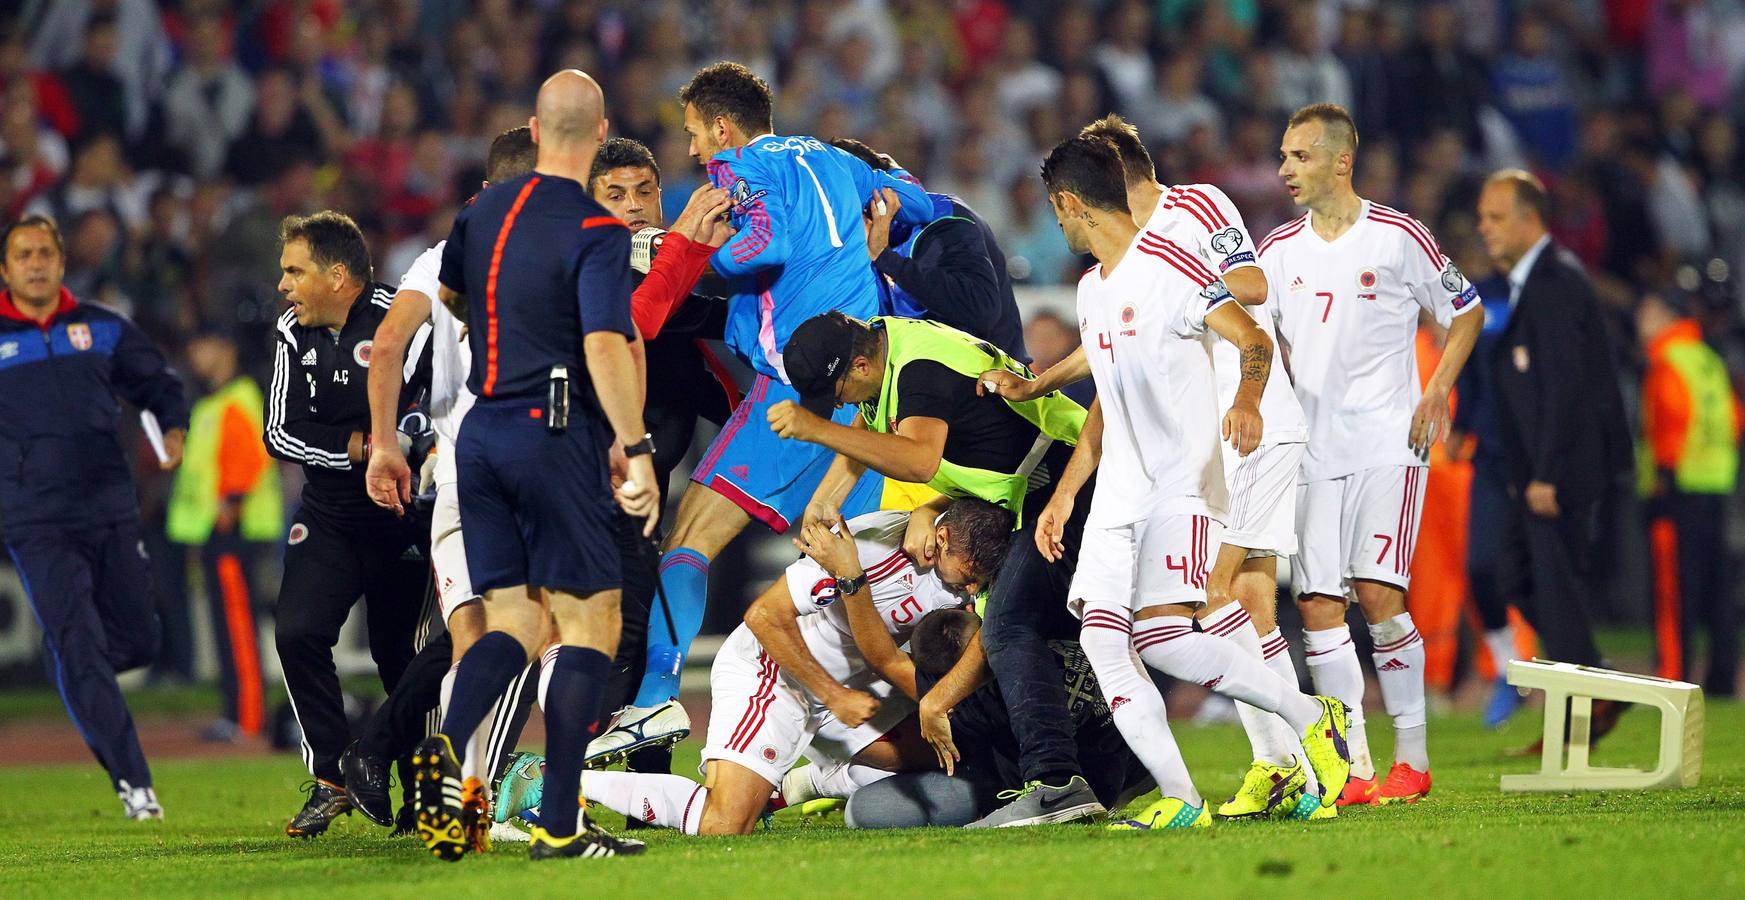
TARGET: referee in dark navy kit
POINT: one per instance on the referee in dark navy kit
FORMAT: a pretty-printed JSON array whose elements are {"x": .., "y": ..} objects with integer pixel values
[
  {"x": 540, "y": 273},
  {"x": 341, "y": 545},
  {"x": 67, "y": 501}
]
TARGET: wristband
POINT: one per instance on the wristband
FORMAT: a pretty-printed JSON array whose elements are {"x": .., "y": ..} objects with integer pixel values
[{"x": 640, "y": 448}]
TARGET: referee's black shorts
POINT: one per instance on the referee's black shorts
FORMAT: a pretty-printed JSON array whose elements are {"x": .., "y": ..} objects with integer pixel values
[{"x": 536, "y": 507}]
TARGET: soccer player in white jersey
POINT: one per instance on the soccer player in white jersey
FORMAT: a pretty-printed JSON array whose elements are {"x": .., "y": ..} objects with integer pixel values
[
  {"x": 791, "y": 680},
  {"x": 1348, "y": 280},
  {"x": 1145, "y": 312},
  {"x": 389, "y": 479},
  {"x": 1242, "y": 590}
]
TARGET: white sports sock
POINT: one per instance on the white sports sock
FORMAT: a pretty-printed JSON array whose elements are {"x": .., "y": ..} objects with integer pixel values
[
  {"x": 1399, "y": 667},
  {"x": 1269, "y": 738},
  {"x": 1170, "y": 645},
  {"x": 1276, "y": 653},
  {"x": 1501, "y": 643},
  {"x": 446, "y": 691},
  {"x": 670, "y": 801},
  {"x": 840, "y": 781},
  {"x": 1334, "y": 669},
  {"x": 1135, "y": 703},
  {"x": 545, "y": 669}
]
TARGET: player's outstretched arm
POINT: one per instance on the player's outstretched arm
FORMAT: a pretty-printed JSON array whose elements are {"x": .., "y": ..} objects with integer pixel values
[
  {"x": 840, "y": 479},
  {"x": 834, "y": 549},
  {"x": 1051, "y": 524},
  {"x": 776, "y": 626},
  {"x": 934, "y": 715},
  {"x": 1074, "y": 368},
  {"x": 1242, "y": 424},
  {"x": 389, "y": 478}
]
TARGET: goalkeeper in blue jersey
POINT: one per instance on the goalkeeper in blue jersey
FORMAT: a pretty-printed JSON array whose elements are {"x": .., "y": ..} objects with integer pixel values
[{"x": 800, "y": 250}]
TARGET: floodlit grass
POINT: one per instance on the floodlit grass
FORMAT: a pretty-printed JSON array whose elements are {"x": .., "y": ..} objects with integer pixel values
[{"x": 224, "y": 837}]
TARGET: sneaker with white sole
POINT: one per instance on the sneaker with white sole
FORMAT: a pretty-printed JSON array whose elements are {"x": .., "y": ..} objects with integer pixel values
[
  {"x": 502, "y": 832},
  {"x": 638, "y": 728},
  {"x": 1043, "y": 804},
  {"x": 139, "y": 803}
]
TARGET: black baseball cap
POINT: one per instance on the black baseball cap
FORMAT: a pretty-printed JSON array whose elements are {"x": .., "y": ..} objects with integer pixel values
[{"x": 816, "y": 358}]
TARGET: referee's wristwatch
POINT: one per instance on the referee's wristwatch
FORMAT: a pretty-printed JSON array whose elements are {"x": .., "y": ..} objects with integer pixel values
[
  {"x": 640, "y": 448},
  {"x": 848, "y": 587}
]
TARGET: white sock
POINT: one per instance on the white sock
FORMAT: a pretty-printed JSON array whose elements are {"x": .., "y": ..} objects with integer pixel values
[
  {"x": 1501, "y": 643},
  {"x": 1334, "y": 669},
  {"x": 840, "y": 781},
  {"x": 446, "y": 692},
  {"x": 1137, "y": 706},
  {"x": 1269, "y": 738},
  {"x": 545, "y": 670},
  {"x": 670, "y": 801},
  {"x": 1399, "y": 667},
  {"x": 1276, "y": 653},
  {"x": 1170, "y": 645}
]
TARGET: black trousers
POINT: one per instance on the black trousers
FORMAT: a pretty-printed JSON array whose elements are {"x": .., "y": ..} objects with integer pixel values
[
  {"x": 1026, "y": 609},
  {"x": 1547, "y": 566},
  {"x": 1486, "y": 525},
  {"x": 1705, "y": 595},
  {"x": 329, "y": 564},
  {"x": 92, "y": 591}
]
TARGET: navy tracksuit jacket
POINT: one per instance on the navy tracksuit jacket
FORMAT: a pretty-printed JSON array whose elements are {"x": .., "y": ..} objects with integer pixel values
[{"x": 68, "y": 510}]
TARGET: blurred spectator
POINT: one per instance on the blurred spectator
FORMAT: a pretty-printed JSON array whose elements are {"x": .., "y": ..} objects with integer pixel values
[
  {"x": 1021, "y": 81},
  {"x": 207, "y": 103},
  {"x": 1177, "y": 107},
  {"x": 139, "y": 56},
  {"x": 281, "y": 132},
  {"x": 1050, "y": 339},
  {"x": 98, "y": 96},
  {"x": 1123, "y": 56},
  {"x": 1534, "y": 92},
  {"x": 1306, "y": 71},
  {"x": 1689, "y": 464},
  {"x": 1036, "y": 252},
  {"x": 1687, "y": 50},
  {"x": 1436, "y": 65},
  {"x": 94, "y": 256},
  {"x": 99, "y": 180}
]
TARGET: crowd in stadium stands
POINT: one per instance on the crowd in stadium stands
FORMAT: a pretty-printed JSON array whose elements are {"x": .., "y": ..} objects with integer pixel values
[{"x": 170, "y": 137}]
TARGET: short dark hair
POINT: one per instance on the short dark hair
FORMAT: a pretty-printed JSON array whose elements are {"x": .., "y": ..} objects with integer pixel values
[
  {"x": 1135, "y": 157},
  {"x": 1529, "y": 190},
  {"x": 1089, "y": 167},
  {"x": 940, "y": 638},
  {"x": 332, "y": 238},
  {"x": 732, "y": 90},
  {"x": 880, "y": 162},
  {"x": 1335, "y": 118},
  {"x": 980, "y": 531},
  {"x": 32, "y": 221},
  {"x": 623, "y": 153},
  {"x": 512, "y": 155}
]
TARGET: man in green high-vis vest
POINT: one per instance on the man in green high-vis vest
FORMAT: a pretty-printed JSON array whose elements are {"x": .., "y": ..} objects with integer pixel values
[
  {"x": 226, "y": 502},
  {"x": 923, "y": 420}
]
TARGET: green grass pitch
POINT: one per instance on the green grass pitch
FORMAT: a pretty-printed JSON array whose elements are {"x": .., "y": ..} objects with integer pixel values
[{"x": 65, "y": 838}]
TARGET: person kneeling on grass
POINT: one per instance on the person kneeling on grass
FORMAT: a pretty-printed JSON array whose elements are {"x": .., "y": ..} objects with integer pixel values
[{"x": 792, "y": 681}]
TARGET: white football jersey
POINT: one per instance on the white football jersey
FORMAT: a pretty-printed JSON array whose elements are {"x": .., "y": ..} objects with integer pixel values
[
  {"x": 901, "y": 595},
  {"x": 1201, "y": 218},
  {"x": 1144, "y": 332},
  {"x": 1347, "y": 314},
  {"x": 450, "y": 362}
]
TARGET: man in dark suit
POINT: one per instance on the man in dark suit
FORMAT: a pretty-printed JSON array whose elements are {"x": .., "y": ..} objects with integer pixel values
[{"x": 1564, "y": 438}]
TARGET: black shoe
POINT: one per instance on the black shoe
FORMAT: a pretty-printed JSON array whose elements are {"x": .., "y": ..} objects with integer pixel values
[
  {"x": 367, "y": 784},
  {"x": 591, "y": 841},
  {"x": 436, "y": 781},
  {"x": 326, "y": 803}
]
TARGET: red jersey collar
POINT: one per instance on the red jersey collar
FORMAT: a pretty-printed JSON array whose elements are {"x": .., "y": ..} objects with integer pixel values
[{"x": 10, "y": 310}]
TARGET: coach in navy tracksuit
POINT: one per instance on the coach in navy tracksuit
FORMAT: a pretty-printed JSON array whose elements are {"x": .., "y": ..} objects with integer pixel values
[{"x": 67, "y": 502}]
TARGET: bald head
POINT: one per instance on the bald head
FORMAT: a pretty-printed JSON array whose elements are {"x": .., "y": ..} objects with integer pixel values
[{"x": 571, "y": 110}]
